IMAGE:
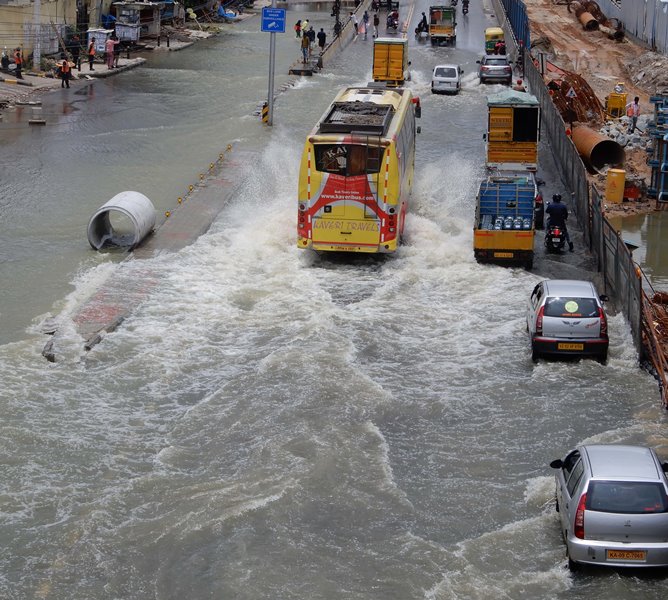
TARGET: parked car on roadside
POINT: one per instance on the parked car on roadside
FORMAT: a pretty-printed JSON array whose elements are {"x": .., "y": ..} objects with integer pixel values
[
  {"x": 446, "y": 79},
  {"x": 613, "y": 506},
  {"x": 495, "y": 67},
  {"x": 566, "y": 317}
]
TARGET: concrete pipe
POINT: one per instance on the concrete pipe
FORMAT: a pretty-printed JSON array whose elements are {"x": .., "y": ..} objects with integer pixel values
[
  {"x": 588, "y": 21},
  {"x": 125, "y": 220},
  {"x": 596, "y": 150}
]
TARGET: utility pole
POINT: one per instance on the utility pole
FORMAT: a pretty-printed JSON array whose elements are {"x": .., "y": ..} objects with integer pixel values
[{"x": 37, "y": 25}]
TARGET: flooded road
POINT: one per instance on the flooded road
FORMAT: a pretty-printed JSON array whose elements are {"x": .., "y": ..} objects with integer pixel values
[{"x": 271, "y": 423}]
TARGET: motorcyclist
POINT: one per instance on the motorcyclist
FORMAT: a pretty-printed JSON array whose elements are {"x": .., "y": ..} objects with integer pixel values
[
  {"x": 557, "y": 214},
  {"x": 465, "y": 5},
  {"x": 423, "y": 25}
]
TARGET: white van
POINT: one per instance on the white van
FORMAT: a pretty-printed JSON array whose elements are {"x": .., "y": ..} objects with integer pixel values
[{"x": 446, "y": 79}]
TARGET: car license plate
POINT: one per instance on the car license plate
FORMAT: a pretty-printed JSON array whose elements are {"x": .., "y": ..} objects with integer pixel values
[
  {"x": 563, "y": 346},
  {"x": 503, "y": 255},
  {"x": 626, "y": 555}
]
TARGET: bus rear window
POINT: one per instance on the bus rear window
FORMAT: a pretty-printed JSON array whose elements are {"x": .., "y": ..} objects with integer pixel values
[{"x": 347, "y": 159}]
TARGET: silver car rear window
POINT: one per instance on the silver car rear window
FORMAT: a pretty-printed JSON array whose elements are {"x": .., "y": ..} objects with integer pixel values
[
  {"x": 446, "y": 73},
  {"x": 631, "y": 497},
  {"x": 571, "y": 307},
  {"x": 496, "y": 61}
]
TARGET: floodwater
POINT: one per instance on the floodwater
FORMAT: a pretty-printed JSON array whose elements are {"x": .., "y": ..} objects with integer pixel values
[
  {"x": 646, "y": 232},
  {"x": 271, "y": 423}
]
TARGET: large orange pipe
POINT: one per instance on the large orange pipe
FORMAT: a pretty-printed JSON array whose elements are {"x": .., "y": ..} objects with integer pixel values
[
  {"x": 589, "y": 23},
  {"x": 596, "y": 150}
]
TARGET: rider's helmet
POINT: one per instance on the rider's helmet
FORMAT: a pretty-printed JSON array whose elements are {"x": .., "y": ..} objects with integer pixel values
[{"x": 556, "y": 198}]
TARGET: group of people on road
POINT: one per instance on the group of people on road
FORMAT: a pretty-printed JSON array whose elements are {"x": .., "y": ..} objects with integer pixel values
[
  {"x": 308, "y": 37},
  {"x": 18, "y": 62}
]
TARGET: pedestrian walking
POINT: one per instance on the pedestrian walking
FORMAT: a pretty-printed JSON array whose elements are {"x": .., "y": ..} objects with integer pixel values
[
  {"x": 65, "y": 73},
  {"x": 322, "y": 39},
  {"x": 305, "y": 45},
  {"x": 365, "y": 19},
  {"x": 117, "y": 53},
  {"x": 18, "y": 61},
  {"x": 4, "y": 62},
  {"x": 376, "y": 22},
  {"x": 91, "y": 54},
  {"x": 109, "y": 46},
  {"x": 311, "y": 39},
  {"x": 633, "y": 112},
  {"x": 356, "y": 23},
  {"x": 298, "y": 28}
]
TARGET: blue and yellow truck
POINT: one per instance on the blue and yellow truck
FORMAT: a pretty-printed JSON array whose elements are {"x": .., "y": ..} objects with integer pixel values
[{"x": 508, "y": 201}]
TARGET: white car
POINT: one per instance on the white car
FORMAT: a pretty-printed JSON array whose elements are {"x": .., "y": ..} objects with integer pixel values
[{"x": 446, "y": 79}]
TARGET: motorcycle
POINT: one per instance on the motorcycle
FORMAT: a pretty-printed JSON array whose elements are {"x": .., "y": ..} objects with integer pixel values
[
  {"x": 375, "y": 5},
  {"x": 555, "y": 238},
  {"x": 392, "y": 22},
  {"x": 453, "y": 2},
  {"x": 465, "y": 8}
]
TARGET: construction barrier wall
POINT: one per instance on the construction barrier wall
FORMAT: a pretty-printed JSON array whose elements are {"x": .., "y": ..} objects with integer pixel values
[
  {"x": 619, "y": 270},
  {"x": 516, "y": 14}
]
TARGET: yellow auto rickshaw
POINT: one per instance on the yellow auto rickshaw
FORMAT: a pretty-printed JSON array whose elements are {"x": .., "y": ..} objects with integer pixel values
[{"x": 493, "y": 35}]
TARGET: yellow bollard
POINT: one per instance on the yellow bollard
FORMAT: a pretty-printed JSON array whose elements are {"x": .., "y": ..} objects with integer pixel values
[
  {"x": 179, "y": 200},
  {"x": 167, "y": 213}
]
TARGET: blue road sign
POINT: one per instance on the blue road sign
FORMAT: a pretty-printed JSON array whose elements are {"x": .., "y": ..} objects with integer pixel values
[{"x": 273, "y": 20}]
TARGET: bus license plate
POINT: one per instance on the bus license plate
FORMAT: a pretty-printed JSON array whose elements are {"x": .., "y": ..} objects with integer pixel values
[
  {"x": 503, "y": 255},
  {"x": 563, "y": 346},
  {"x": 626, "y": 555}
]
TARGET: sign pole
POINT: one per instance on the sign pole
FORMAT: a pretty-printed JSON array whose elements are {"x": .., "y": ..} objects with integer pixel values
[
  {"x": 273, "y": 21},
  {"x": 272, "y": 61}
]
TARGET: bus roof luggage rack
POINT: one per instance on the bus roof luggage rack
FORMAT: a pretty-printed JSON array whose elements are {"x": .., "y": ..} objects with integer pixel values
[{"x": 362, "y": 117}]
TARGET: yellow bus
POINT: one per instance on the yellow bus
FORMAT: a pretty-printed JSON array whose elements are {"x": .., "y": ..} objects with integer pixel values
[{"x": 357, "y": 170}]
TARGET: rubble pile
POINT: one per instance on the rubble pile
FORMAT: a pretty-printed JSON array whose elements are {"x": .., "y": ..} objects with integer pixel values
[
  {"x": 649, "y": 71},
  {"x": 617, "y": 130}
]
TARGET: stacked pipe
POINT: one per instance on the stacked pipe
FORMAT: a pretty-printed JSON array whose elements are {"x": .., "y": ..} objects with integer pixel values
[{"x": 589, "y": 23}]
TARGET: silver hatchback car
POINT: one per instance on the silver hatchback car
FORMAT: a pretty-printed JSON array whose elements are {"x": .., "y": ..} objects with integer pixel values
[
  {"x": 566, "y": 317},
  {"x": 613, "y": 506}
]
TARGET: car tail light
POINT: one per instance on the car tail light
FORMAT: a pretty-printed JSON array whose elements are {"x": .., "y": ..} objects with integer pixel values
[
  {"x": 539, "y": 320},
  {"x": 603, "y": 321},
  {"x": 579, "y": 527}
]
